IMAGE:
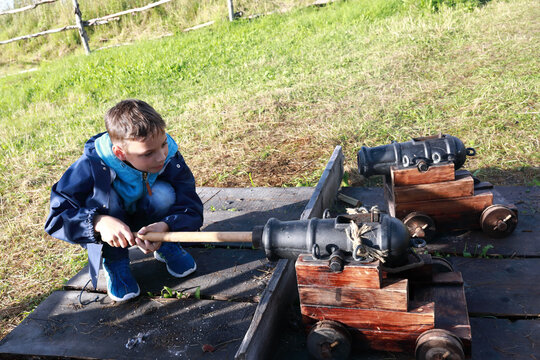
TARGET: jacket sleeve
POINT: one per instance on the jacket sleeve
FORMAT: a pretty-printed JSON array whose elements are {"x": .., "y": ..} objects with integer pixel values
[
  {"x": 69, "y": 219},
  {"x": 186, "y": 214}
]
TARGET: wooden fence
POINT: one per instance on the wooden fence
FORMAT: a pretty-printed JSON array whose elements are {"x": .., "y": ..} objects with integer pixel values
[{"x": 80, "y": 24}]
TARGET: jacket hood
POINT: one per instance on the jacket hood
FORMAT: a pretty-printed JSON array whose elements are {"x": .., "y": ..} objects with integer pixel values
[
  {"x": 129, "y": 183},
  {"x": 90, "y": 147}
]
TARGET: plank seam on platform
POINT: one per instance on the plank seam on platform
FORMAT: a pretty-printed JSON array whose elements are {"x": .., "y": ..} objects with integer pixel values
[
  {"x": 211, "y": 197},
  {"x": 489, "y": 256},
  {"x": 505, "y": 316}
]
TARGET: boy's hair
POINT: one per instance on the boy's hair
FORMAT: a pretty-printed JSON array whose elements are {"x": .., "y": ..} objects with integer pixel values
[{"x": 132, "y": 119}]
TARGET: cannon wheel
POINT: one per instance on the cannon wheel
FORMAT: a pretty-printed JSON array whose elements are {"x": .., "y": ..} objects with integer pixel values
[
  {"x": 438, "y": 344},
  {"x": 329, "y": 340},
  {"x": 420, "y": 225},
  {"x": 441, "y": 265},
  {"x": 498, "y": 221}
]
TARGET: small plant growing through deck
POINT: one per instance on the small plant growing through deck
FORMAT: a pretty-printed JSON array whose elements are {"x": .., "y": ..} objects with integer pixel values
[
  {"x": 485, "y": 249},
  {"x": 439, "y": 254},
  {"x": 482, "y": 254},
  {"x": 345, "y": 179},
  {"x": 466, "y": 253},
  {"x": 167, "y": 292}
]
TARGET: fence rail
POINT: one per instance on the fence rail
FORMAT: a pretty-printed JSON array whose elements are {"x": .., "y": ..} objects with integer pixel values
[
  {"x": 52, "y": 31},
  {"x": 105, "y": 19},
  {"x": 29, "y": 7},
  {"x": 80, "y": 23}
]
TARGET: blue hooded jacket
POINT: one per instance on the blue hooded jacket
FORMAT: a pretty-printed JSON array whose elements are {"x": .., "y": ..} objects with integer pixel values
[{"x": 84, "y": 192}]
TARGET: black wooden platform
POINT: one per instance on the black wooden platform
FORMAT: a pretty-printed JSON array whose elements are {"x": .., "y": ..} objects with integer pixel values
[
  {"x": 243, "y": 306},
  {"x": 145, "y": 328}
]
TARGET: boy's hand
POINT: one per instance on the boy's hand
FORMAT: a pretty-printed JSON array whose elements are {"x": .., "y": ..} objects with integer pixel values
[
  {"x": 113, "y": 231},
  {"x": 150, "y": 246}
]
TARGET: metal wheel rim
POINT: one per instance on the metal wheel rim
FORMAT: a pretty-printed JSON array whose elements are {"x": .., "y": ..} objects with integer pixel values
[
  {"x": 492, "y": 214},
  {"x": 441, "y": 264},
  {"x": 329, "y": 340},
  {"x": 417, "y": 219},
  {"x": 438, "y": 344}
]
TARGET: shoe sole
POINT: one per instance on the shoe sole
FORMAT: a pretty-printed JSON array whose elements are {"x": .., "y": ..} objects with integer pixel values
[
  {"x": 125, "y": 297},
  {"x": 184, "y": 274}
]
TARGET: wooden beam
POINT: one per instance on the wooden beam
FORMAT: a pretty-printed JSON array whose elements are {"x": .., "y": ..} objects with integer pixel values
[
  {"x": 396, "y": 341},
  {"x": 266, "y": 319},
  {"x": 52, "y": 31},
  {"x": 230, "y": 8},
  {"x": 131, "y": 11},
  {"x": 411, "y": 175},
  {"x": 327, "y": 187},
  {"x": 199, "y": 26},
  {"x": 80, "y": 26},
  {"x": 416, "y": 320},
  {"x": 461, "y": 187},
  {"x": 29, "y": 7},
  {"x": 391, "y": 296},
  {"x": 309, "y": 272},
  {"x": 439, "y": 208}
]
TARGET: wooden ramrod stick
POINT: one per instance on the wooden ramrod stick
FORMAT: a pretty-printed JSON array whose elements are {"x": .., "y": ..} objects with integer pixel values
[{"x": 196, "y": 236}]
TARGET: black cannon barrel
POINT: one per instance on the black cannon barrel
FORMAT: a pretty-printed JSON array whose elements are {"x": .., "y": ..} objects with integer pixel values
[
  {"x": 419, "y": 152},
  {"x": 288, "y": 239}
]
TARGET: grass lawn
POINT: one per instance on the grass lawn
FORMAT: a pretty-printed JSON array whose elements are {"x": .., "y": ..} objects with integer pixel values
[{"x": 264, "y": 102}]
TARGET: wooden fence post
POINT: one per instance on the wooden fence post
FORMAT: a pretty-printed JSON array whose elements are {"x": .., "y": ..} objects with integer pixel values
[
  {"x": 80, "y": 26},
  {"x": 231, "y": 10}
]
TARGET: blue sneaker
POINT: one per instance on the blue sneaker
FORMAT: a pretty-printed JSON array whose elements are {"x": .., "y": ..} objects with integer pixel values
[
  {"x": 121, "y": 285},
  {"x": 179, "y": 262}
]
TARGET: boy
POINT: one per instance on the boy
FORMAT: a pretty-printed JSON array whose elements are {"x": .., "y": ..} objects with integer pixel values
[{"x": 131, "y": 177}]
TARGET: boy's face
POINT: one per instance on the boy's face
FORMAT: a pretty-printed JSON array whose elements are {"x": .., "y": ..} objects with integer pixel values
[{"x": 146, "y": 155}]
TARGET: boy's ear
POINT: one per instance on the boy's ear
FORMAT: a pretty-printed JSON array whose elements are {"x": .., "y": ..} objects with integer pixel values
[{"x": 119, "y": 153}]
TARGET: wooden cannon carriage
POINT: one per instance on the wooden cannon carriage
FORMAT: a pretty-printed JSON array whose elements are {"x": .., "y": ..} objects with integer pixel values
[
  {"x": 442, "y": 199},
  {"x": 347, "y": 305}
]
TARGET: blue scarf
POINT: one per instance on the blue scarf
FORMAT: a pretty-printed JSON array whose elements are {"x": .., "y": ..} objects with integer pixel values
[{"x": 129, "y": 182}]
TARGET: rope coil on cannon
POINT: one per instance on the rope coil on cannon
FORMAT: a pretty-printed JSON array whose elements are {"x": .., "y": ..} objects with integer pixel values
[{"x": 362, "y": 252}]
